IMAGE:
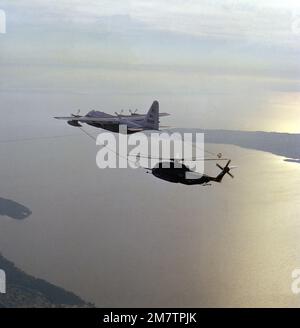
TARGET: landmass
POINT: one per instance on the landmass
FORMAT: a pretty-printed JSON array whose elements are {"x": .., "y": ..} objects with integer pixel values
[
  {"x": 282, "y": 144},
  {"x": 23, "y": 290}
]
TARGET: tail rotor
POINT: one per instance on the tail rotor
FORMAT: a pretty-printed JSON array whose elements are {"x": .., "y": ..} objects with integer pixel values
[{"x": 226, "y": 169}]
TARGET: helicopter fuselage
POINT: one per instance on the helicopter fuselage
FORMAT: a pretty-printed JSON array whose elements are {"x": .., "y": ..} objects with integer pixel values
[{"x": 169, "y": 172}]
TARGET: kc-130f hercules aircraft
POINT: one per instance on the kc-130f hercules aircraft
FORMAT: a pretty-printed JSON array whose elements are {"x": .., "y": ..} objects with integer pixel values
[{"x": 134, "y": 122}]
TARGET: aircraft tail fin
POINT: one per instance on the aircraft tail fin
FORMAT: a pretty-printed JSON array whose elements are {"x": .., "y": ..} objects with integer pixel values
[{"x": 152, "y": 117}]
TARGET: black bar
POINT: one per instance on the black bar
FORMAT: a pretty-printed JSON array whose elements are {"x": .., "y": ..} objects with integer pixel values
[{"x": 168, "y": 317}]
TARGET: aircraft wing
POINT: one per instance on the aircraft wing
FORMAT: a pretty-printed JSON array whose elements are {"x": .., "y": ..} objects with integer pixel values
[
  {"x": 135, "y": 129},
  {"x": 139, "y": 116},
  {"x": 102, "y": 119},
  {"x": 132, "y": 126},
  {"x": 89, "y": 119}
]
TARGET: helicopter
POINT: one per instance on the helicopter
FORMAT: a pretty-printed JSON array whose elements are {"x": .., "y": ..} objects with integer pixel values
[{"x": 172, "y": 172}]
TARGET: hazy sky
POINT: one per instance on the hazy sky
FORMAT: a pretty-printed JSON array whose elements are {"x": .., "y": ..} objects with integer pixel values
[{"x": 212, "y": 64}]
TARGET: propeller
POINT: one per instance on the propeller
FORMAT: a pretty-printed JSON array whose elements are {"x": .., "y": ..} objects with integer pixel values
[
  {"x": 77, "y": 113},
  {"x": 133, "y": 112},
  {"x": 121, "y": 112},
  {"x": 226, "y": 168}
]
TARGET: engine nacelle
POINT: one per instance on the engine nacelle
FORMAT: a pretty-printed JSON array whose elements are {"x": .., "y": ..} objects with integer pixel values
[{"x": 74, "y": 123}]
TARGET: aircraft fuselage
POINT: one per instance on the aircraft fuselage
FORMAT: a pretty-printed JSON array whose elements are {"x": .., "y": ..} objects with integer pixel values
[{"x": 168, "y": 172}]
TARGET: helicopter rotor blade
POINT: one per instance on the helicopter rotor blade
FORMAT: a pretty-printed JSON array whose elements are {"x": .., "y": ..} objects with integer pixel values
[{"x": 228, "y": 163}]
